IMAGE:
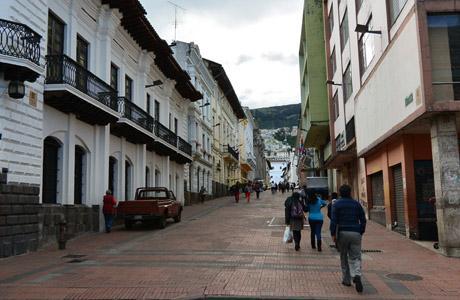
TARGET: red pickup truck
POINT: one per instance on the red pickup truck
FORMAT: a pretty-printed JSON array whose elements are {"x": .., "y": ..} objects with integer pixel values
[{"x": 151, "y": 204}]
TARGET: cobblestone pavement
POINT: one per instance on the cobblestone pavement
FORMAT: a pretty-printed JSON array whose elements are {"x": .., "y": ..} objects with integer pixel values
[{"x": 223, "y": 249}]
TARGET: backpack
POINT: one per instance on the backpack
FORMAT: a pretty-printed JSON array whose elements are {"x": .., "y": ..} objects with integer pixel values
[{"x": 297, "y": 209}]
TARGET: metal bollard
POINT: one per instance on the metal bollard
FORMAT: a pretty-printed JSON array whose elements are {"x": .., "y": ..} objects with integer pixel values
[{"x": 62, "y": 239}]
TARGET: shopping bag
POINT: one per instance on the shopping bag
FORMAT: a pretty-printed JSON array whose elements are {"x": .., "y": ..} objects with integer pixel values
[{"x": 287, "y": 238}]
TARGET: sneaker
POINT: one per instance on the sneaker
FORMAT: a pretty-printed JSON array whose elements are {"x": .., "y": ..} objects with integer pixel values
[{"x": 358, "y": 284}]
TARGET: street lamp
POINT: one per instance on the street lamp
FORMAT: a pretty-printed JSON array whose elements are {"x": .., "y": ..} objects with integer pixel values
[
  {"x": 154, "y": 83},
  {"x": 360, "y": 28},
  {"x": 331, "y": 82},
  {"x": 16, "y": 89}
]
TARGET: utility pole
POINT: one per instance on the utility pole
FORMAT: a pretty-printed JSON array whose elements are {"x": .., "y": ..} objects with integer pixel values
[{"x": 176, "y": 6}]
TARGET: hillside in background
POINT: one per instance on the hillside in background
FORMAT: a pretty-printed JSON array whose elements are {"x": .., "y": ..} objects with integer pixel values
[{"x": 277, "y": 116}]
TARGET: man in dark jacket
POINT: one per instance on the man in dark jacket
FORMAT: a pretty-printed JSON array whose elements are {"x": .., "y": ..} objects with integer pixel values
[{"x": 348, "y": 223}]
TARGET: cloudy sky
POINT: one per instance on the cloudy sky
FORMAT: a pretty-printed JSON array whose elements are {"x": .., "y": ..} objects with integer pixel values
[{"x": 256, "y": 41}]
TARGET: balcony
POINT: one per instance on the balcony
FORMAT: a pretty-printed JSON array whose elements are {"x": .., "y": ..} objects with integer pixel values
[
  {"x": 19, "y": 51},
  {"x": 184, "y": 155},
  {"x": 230, "y": 154},
  {"x": 166, "y": 143},
  {"x": 350, "y": 131},
  {"x": 135, "y": 124},
  {"x": 71, "y": 88}
]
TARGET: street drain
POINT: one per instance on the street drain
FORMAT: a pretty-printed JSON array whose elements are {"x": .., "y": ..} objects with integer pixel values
[
  {"x": 74, "y": 256},
  {"x": 76, "y": 260},
  {"x": 404, "y": 277},
  {"x": 371, "y": 251}
]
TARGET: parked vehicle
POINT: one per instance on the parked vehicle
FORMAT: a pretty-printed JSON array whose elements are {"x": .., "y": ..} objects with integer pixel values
[{"x": 151, "y": 204}]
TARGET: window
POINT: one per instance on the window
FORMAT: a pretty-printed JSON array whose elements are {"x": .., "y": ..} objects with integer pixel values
[
  {"x": 396, "y": 7},
  {"x": 82, "y": 52},
  {"x": 169, "y": 121},
  {"x": 358, "y": 5},
  {"x": 203, "y": 144},
  {"x": 148, "y": 105},
  {"x": 114, "y": 76},
  {"x": 366, "y": 48},
  {"x": 157, "y": 111},
  {"x": 444, "y": 37},
  {"x": 333, "y": 63},
  {"x": 331, "y": 19},
  {"x": 344, "y": 31},
  {"x": 347, "y": 83},
  {"x": 128, "y": 88},
  {"x": 175, "y": 126},
  {"x": 55, "y": 35},
  {"x": 335, "y": 102}
]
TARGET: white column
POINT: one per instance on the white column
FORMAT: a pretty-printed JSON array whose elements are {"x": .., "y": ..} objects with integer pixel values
[
  {"x": 121, "y": 168},
  {"x": 68, "y": 172},
  {"x": 167, "y": 172},
  {"x": 105, "y": 32},
  {"x": 141, "y": 163},
  {"x": 72, "y": 30}
]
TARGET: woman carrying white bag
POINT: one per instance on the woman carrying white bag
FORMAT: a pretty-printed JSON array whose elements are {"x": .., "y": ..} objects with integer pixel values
[{"x": 294, "y": 216}]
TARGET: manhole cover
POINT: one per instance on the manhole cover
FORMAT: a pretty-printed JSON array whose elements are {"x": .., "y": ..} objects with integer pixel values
[
  {"x": 76, "y": 260},
  {"x": 404, "y": 277},
  {"x": 74, "y": 256},
  {"x": 371, "y": 251}
]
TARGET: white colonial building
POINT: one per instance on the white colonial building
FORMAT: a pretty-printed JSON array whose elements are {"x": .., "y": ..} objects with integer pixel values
[
  {"x": 200, "y": 122},
  {"x": 105, "y": 104}
]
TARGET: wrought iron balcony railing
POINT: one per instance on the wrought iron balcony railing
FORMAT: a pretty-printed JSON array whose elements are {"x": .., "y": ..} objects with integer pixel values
[
  {"x": 61, "y": 69},
  {"x": 231, "y": 151},
  {"x": 165, "y": 134},
  {"x": 132, "y": 112},
  {"x": 18, "y": 40},
  {"x": 184, "y": 146}
]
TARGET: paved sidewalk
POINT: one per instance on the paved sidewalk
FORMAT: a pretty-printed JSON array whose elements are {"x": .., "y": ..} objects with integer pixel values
[{"x": 224, "y": 249}]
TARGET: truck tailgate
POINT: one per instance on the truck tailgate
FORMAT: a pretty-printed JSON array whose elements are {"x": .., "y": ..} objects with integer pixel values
[{"x": 139, "y": 207}]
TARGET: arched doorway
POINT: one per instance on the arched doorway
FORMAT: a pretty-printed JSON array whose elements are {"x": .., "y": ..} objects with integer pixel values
[
  {"x": 51, "y": 148},
  {"x": 112, "y": 174},
  {"x": 79, "y": 175}
]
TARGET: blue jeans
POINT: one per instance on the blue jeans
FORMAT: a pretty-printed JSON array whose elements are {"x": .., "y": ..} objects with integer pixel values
[
  {"x": 315, "y": 229},
  {"x": 108, "y": 222}
]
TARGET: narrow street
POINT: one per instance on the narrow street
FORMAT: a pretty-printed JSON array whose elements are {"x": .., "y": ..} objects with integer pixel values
[{"x": 223, "y": 249}]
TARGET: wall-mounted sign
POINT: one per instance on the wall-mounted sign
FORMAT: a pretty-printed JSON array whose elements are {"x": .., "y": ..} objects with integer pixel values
[{"x": 409, "y": 99}]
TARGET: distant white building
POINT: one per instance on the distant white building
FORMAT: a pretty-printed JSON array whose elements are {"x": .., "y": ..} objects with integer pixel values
[{"x": 200, "y": 130}]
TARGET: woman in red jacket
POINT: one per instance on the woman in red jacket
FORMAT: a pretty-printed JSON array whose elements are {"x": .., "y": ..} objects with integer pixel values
[{"x": 109, "y": 210}]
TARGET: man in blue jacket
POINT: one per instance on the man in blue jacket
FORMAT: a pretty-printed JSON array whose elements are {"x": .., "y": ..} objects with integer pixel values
[{"x": 348, "y": 223}]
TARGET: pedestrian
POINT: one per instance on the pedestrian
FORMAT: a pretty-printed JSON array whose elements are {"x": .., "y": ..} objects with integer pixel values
[
  {"x": 294, "y": 217},
  {"x": 315, "y": 219},
  {"x": 303, "y": 193},
  {"x": 202, "y": 194},
  {"x": 348, "y": 224},
  {"x": 329, "y": 206},
  {"x": 273, "y": 187},
  {"x": 247, "y": 192},
  {"x": 235, "y": 190},
  {"x": 109, "y": 210},
  {"x": 258, "y": 188}
]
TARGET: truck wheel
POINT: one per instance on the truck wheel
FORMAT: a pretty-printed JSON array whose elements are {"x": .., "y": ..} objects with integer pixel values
[
  {"x": 162, "y": 222},
  {"x": 178, "y": 217},
  {"x": 128, "y": 224}
]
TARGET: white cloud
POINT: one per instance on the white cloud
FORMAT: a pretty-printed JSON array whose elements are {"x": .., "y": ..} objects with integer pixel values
[{"x": 256, "y": 41}]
